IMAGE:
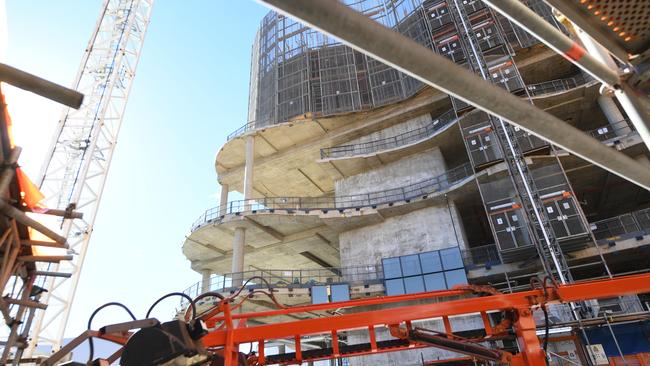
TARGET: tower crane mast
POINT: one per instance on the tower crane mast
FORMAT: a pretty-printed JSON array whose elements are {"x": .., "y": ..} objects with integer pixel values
[{"x": 76, "y": 166}]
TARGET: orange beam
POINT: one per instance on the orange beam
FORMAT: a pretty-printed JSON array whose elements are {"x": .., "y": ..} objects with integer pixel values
[{"x": 230, "y": 337}]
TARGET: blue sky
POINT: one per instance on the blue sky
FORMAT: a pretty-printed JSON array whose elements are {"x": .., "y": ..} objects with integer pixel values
[{"x": 190, "y": 91}]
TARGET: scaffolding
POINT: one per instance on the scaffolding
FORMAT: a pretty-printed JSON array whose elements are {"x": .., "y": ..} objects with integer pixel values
[{"x": 300, "y": 72}]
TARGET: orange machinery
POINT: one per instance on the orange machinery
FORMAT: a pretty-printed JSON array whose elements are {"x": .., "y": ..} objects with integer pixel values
[{"x": 228, "y": 327}]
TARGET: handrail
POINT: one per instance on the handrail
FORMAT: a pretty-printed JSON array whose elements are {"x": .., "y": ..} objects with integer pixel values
[
  {"x": 269, "y": 204},
  {"x": 405, "y": 138},
  {"x": 535, "y": 90},
  {"x": 558, "y": 85},
  {"x": 609, "y": 131},
  {"x": 630, "y": 224},
  {"x": 356, "y": 275},
  {"x": 434, "y": 125}
]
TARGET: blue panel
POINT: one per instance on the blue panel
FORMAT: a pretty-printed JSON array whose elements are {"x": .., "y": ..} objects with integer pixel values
[
  {"x": 319, "y": 295},
  {"x": 410, "y": 265},
  {"x": 394, "y": 287},
  {"x": 455, "y": 277},
  {"x": 451, "y": 258},
  {"x": 430, "y": 262},
  {"x": 435, "y": 282},
  {"x": 340, "y": 292},
  {"x": 632, "y": 337},
  {"x": 392, "y": 268},
  {"x": 413, "y": 285}
]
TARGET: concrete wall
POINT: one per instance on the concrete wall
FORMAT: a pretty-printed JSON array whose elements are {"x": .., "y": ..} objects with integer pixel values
[
  {"x": 398, "y": 129},
  {"x": 418, "y": 231},
  {"x": 426, "y": 229},
  {"x": 410, "y": 170}
]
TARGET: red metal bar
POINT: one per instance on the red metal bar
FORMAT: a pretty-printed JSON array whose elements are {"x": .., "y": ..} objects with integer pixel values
[
  {"x": 230, "y": 350},
  {"x": 486, "y": 323},
  {"x": 527, "y": 338},
  {"x": 448, "y": 330},
  {"x": 298, "y": 349},
  {"x": 335, "y": 345},
  {"x": 373, "y": 338},
  {"x": 522, "y": 301},
  {"x": 260, "y": 352}
]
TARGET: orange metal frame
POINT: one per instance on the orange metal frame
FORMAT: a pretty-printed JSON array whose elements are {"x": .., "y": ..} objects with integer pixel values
[{"x": 230, "y": 336}]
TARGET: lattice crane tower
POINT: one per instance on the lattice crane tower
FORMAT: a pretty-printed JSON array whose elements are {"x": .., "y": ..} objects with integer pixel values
[{"x": 75, "y": 169}]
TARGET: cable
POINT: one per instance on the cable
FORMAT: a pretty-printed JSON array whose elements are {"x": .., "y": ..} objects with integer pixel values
[
  {"x": 546, "y": 329},
  {"x": 203, "y": 296},
  {"x": 174, "y": 294},
  {"x": 91, "y": 345},
  {"x": 268, "y": 286}
]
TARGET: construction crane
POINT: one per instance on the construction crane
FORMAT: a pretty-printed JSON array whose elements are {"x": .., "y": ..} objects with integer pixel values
[
  {"x": 77, "y": 163},
  {"x": 213, "y": 335}
]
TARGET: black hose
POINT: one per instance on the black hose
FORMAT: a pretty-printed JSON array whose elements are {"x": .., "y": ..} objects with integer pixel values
[
  {"x": 91, "y": 345},
  {"x": 546, "y": 329},
  {"x": 192, "y": 305}
]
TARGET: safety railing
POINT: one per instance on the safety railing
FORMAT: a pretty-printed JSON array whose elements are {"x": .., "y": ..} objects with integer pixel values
[
  {"x": 535, "y": 90},
  {"x": 294, "y": 278},
  {"x": 483, "y": 256},
  {"x": 559, "y": 313},
  {"x": 243, "y": 129},
  {"x": 393, "y": 142},
  {"x": 620, "y": 227},
  {"x": 613, "y": 130},
  {"x": 270, "y": 204},
  {"x": 359, "y": 275},
  {"x": 558, "y": 85}
]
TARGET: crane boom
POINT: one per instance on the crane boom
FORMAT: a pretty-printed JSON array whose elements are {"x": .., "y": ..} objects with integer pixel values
[{"x": 77, "y": 164}]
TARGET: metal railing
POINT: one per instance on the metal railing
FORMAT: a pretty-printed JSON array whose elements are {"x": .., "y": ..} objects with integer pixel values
[
  {"x": 247, "y": 127},
  {"x": 270, "y": 204},
  {"x": 360, "y": 275},
  {"x": 618, "y": 129},
  {"x": 627, "y": 225},
  {"x": 294, "y": 278},
  {"x": 483, "y": 256},
  {"x": 535, "y": 90},
  {"x": 558, "y": 85},
  {"x": 393, "y": 142},
  {"x": 631, "y": 224},
  {"x": 559, "y": 313}
]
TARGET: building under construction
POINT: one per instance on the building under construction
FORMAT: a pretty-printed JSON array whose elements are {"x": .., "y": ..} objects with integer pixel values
[
  {"x": 360, "y": 181},
  {"x": 453, "y": 182}
]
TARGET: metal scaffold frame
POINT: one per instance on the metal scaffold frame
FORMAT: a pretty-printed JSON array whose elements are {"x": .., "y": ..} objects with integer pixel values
[
  {"x": 75, "y": 169},
  {"x": 406, "y": 55}
]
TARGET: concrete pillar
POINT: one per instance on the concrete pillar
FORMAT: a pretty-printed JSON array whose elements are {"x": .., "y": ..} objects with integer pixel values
[
  {"x": 631, "y": 103},
  {"x": 614, "y": 116},
  {"x": 223, "y": 201},
  {"x": 238, "y": 255},
  {"x": 248, "y": 169},
  {"x": 205, "y": 280}
]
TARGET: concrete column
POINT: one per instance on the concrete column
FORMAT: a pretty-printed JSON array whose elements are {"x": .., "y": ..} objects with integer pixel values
[
  {"x": 614, "y": 116},
  {"x": 631, "y": 103},
  {"x": 248, "y": 169},
  {"x": 223, "y": 201},
  {"x": 205, "y": 280},
  {"x": 238, "y": 255}
]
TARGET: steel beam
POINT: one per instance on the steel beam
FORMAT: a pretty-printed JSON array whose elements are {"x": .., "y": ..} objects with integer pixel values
[
  {"x": 406, "y": 55},
  {"x": 40, "y": 86},
  {"x": 532, "y": 23},
  {"x": 571, "y": 12}
]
